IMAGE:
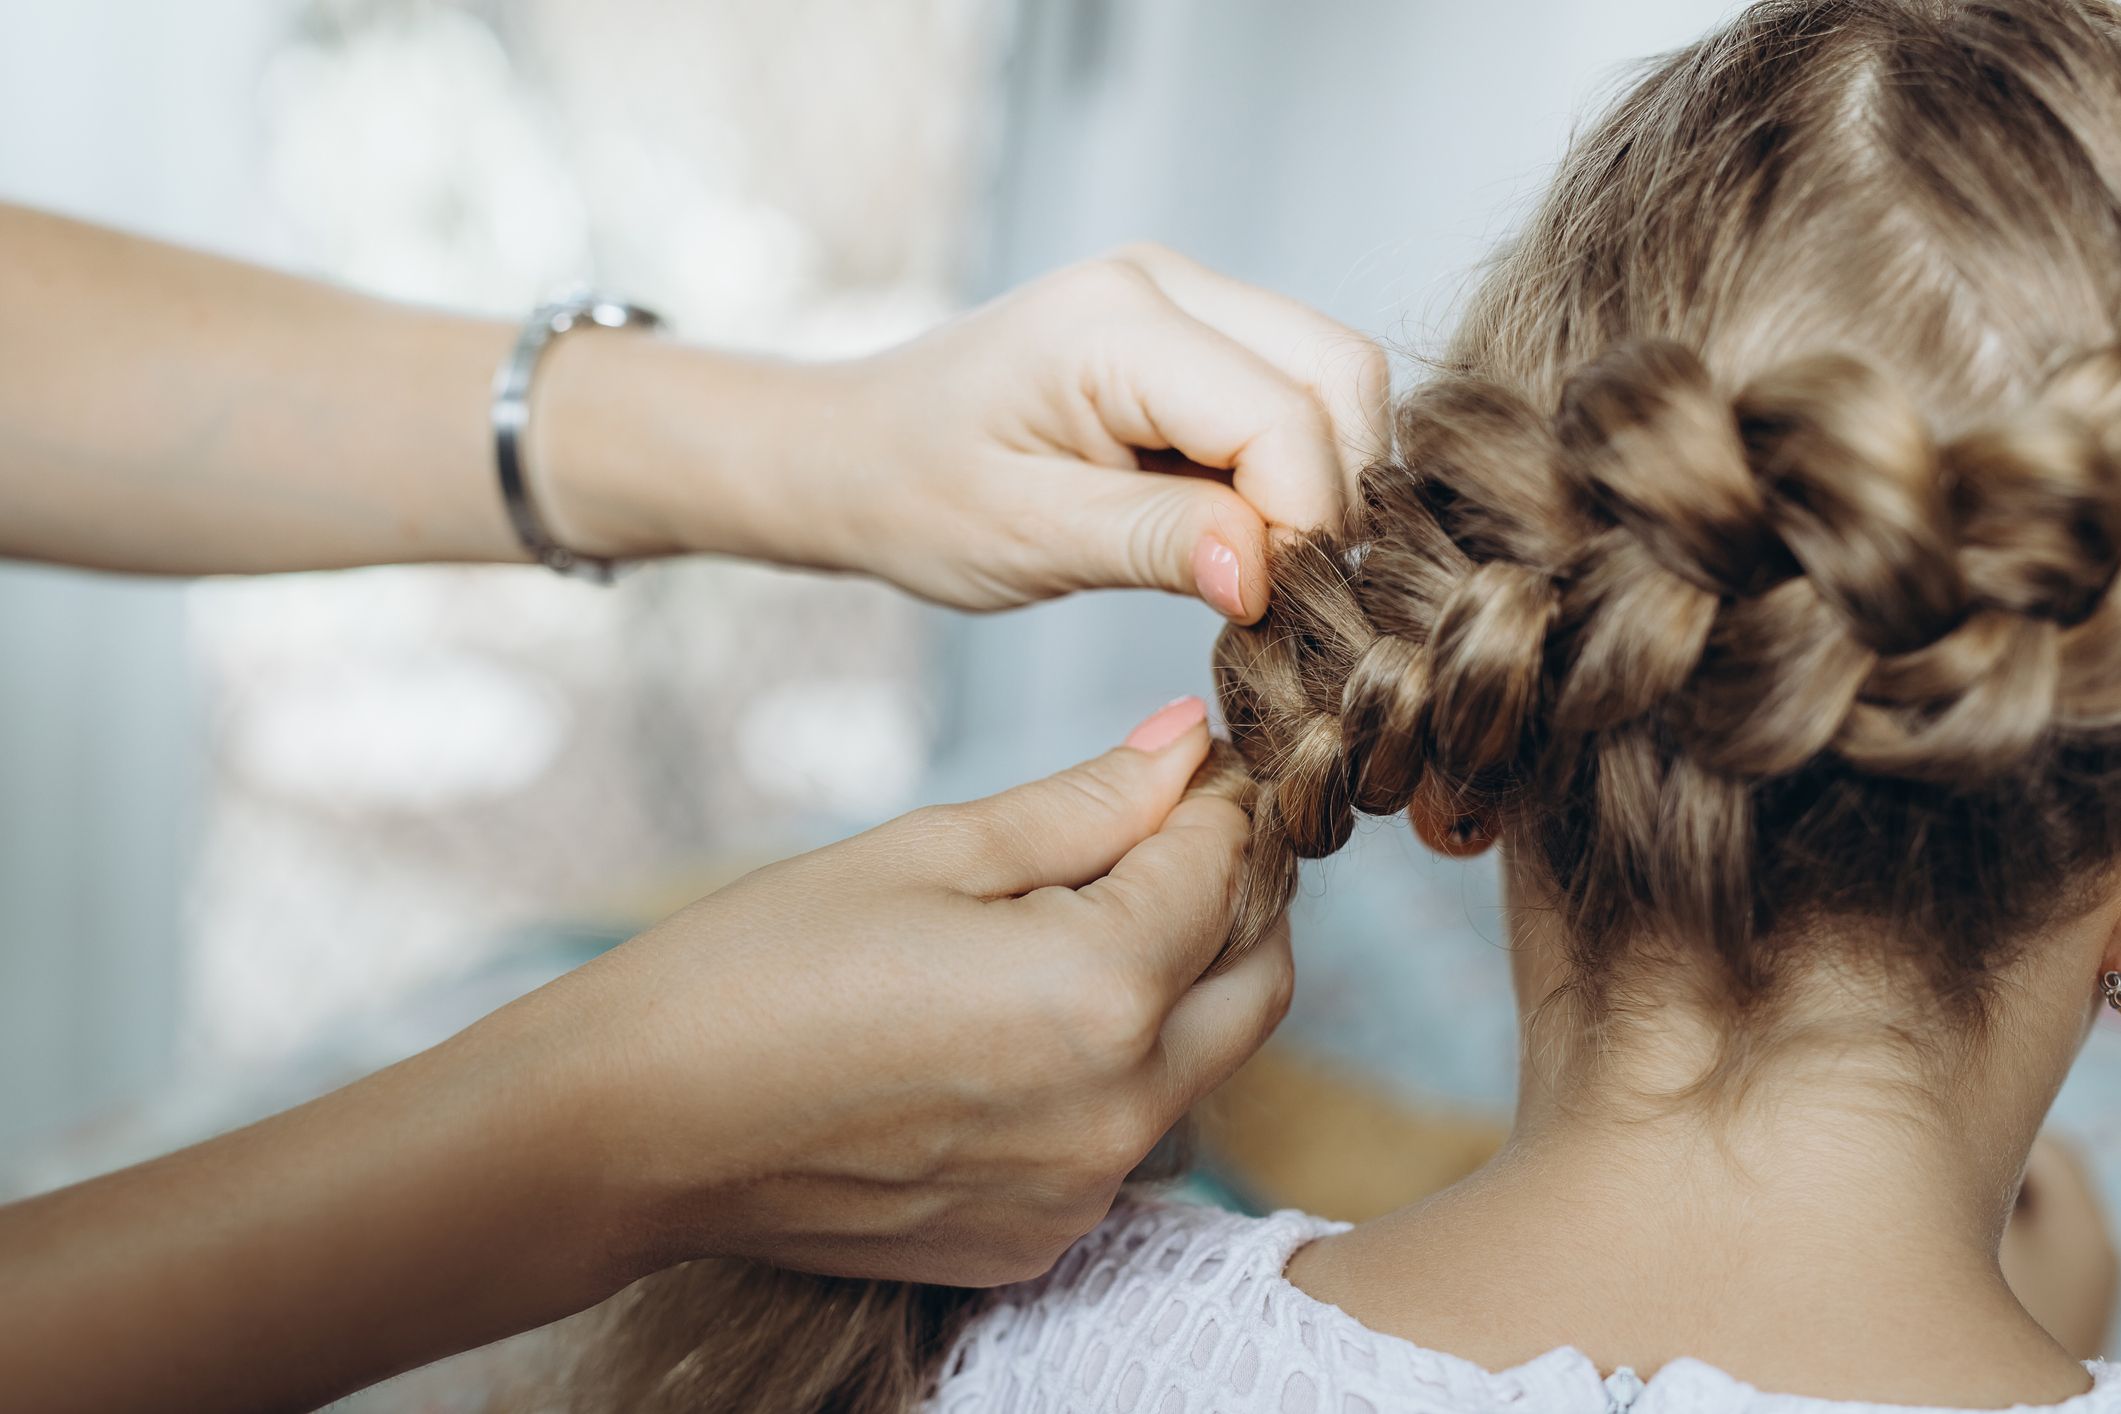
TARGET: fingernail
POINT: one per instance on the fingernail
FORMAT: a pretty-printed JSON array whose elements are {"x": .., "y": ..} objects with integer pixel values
[
  {"x": 1169, "y": 723},
  {"x": 1216, "y": 575}
]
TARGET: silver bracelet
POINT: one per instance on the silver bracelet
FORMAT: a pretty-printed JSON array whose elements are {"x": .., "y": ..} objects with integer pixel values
[{"x": 511, "y": 418}]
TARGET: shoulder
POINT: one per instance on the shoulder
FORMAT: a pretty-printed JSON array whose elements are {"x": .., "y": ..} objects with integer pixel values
[{"x": 1161, "y": 1296}]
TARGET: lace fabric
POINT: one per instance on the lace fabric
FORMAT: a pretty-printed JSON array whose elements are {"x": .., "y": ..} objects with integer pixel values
[{"x": 1171, "y": 1308}]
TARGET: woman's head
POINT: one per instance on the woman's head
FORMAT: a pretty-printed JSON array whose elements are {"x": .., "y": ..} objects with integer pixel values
[{"x": 1749, "y": 564}]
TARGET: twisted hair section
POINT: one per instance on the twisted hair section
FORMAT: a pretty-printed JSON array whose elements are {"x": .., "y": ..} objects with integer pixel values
[{"x": 1664, "y": 631}]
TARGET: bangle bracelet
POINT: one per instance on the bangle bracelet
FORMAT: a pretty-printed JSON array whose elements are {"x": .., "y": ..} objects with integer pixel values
[{"x": 511, "y": 418}]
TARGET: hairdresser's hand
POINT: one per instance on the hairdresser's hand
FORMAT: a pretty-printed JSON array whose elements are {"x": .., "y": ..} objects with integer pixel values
[
  {"x": 988, "y": 464},
  {"x": 930, "y": 1052},
  {"x": 1135, "y": 421},
  {"x": 996, "y": 460}
]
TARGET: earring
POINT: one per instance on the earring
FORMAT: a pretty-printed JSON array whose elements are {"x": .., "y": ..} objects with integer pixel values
[{"x": 2110, "y": 988}]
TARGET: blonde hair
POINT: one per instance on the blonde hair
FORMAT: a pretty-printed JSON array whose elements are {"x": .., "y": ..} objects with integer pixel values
[{"x": 1751, "y": 559}]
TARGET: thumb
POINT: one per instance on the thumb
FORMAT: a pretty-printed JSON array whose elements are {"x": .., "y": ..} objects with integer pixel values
[
  {"x": 1071, "y": 828},
  {"x": 1190, "y": 534}
]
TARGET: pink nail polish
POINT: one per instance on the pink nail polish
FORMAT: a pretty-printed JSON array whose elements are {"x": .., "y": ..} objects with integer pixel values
[
  {"x": 1168, "y": 724},
  {"x": 1216, "y": 574}
]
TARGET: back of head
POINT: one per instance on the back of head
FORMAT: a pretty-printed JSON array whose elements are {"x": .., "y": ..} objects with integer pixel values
[{"x": 1751, "y": 558}]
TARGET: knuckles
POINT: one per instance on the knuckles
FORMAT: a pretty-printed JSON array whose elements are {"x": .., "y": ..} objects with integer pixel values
[
  {"x": 1018, "y": 1263},
  {"x": 1112, "y": 1144},
  {"x": 1222, "y": 821},
  {"x": 952, "y": 836},
  {"x": 1026, "y": 1242},
  {"x": 1110, "y": 283},
  {"x": 1373, "y": 377},
  {"x": 1144, "y": 255},
  {"x": 1367, "y": 370},
  {"x": 1106, "y": 787},
  {"x": 1283, "y": 994},
  {"x": 1305, "y": 417},
  {"x": 1108, "y": 1017},
  {"x": 933, "y": 822},
  {"x": 1030, "y": 1256}
]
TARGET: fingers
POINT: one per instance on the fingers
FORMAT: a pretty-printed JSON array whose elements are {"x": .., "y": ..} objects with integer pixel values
[
  {"x": 1345, "y": 372},
  {"x": 1074, "y": 826},
  {"x": 1171, "y": 898},
  {"x": 1186, "y": 534},
  {"x": 1167, "y": 380},
  {"x": 1158, "y": 354},
  {"x": 1223, "y": 1019}
]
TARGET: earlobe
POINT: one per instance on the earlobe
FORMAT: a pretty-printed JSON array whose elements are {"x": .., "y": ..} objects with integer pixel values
[{"x": 1443, "y": 827}]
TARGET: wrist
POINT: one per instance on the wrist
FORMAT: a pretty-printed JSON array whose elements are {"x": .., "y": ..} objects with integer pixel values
[
  {"x": 641, "y": 446},
  {"x": 641, "y": 1150},
  {"x": 533, "y": 1105}
]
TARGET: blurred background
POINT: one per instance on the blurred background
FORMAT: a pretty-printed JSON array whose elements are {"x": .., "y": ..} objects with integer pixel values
[{"x": 257, "y": 836}]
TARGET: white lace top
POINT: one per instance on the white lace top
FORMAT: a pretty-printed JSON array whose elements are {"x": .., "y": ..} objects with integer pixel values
[{"x": 1177, "y": 1309}]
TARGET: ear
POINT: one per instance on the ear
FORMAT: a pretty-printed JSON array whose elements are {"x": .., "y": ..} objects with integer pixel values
[{"x": 1444, "y": 827}]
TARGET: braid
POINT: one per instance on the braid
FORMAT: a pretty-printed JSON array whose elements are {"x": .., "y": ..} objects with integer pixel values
[{"x": 1625, "y": 626}]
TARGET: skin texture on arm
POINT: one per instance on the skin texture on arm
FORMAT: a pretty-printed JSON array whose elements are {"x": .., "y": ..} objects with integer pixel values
[
  {"x": 435, "y": 1205},
  {"x": 932, "y": 1051},
  {"x": 165, "y": 411},
  {"x": 170, "y": 412}
]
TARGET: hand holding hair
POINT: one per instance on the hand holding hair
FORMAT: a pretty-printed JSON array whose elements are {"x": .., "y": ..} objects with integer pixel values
[
  {"x": 931, "y": 1052},
  {"x": 1004, "y": 457},
  {"x": 1009, "y": 442},
  {"x": 246, "y": 421}
]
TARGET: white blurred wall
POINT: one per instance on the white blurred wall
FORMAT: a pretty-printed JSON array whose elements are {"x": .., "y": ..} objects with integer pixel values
[{"x": 139, "y": 113}]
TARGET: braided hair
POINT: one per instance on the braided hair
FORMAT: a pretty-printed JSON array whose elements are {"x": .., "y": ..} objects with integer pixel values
[{"x": 1713, "y": 656}]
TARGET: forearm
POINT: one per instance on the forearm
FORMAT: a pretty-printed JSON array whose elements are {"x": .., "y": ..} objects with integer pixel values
[
  {"x": 438, "y": 1205},
  {"x": 165, "y": 411}
]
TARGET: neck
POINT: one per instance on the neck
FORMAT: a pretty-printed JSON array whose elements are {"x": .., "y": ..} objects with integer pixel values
[
  {"x": 1804, "y": 1215},
  {"x": 1830, "y": 1228},
  {"x": 1833, "y": 1141},
  {"x": 1800, "y": 1248}
]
